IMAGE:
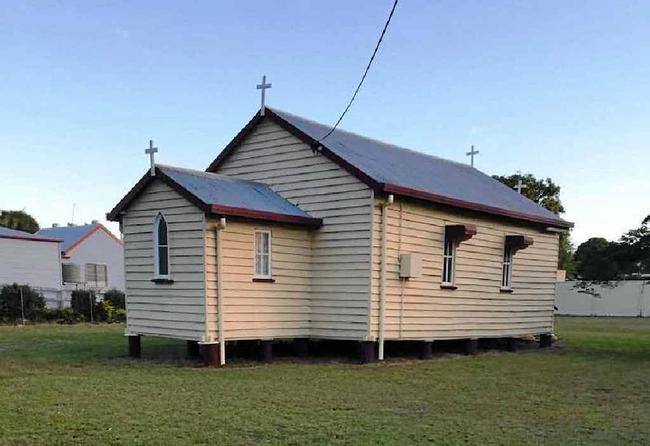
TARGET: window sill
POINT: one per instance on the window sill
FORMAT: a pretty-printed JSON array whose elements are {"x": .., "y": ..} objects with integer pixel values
[
  {"x": 448, "y": 287},
  {"x": 506, "y": 290},
  {"x": 162, "y": 281},
  {"x": 263, "y": 279}
]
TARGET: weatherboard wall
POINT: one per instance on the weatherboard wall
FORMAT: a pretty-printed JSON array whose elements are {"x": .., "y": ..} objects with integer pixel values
[
  {"x": 256, "y": 309},
  {"x": 30, "y": 262},
  {"x": 418, "y": 308},
  {"x": 172, "y": 310},
  {"x": 341, "y": 248},
  {"x": 101, "y": 248}
]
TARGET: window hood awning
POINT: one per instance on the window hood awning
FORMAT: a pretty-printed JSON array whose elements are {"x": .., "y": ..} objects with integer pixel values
[
  {"x": 460, "y": 232},
  {"x": 518, "y": 242}
]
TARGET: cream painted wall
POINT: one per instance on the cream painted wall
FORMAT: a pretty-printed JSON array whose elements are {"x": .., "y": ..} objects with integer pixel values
[
  {"x": 261, "y": 310},
  {"x": 341, "y": 249},
  {"x": 419, "y": 308}
]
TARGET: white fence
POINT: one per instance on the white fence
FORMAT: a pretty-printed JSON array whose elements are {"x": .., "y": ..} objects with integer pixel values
[{"x": 620, "y": 298}]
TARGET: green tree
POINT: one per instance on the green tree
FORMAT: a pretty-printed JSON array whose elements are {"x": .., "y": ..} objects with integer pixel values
[
  {"x": 19, "y": 220},
  {"x": 85, "y": 303},
  {"x": 635, "y": 249},
  {"x": 545, "y": 193},
  {"x": 596, "y": 260},
  {"x": 115, "y": 298},
  {"x": 17, "y": 301},
  {"x": 566, "y": 253}
]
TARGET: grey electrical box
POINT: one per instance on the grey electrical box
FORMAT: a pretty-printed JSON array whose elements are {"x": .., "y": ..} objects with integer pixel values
[{"x": 410, "y": 266}]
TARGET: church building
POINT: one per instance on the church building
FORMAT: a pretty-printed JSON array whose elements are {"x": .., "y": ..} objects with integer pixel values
[{"x": 297, "y": 234}]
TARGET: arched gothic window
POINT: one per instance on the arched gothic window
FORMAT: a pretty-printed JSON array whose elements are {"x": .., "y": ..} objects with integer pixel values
[{"x": 161, "y": 248}]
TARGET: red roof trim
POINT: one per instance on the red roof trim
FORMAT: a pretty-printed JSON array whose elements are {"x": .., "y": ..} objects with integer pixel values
[
  {"x": 114, "y": 214},
  {"x": 295, "y": 131},
  {"x": 32, "y": 239},
  {"x": 88, "y": 234},
  {"x": 205, "y": 207},
  {"x": 265, "y": 215},
  {"x": 474, "y": 206},
  {"x": 135, "y": 191},
  {"x": 319, "y": 147},
  {"x": 110, "y": 234},
  {"x": 243, "y": 133},
  {"x": 356, "y": 172}
]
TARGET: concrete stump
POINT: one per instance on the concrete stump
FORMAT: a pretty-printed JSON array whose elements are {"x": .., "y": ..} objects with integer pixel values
[
  {"x": 266, "y": 351},
  {"x": 367, "y": 352},
  {"x": 210, "y": 354},
  {"x": 134, "y": 346},
  {"x": 192, "y": 349},
  {"x": 471, "y": 346},
  {"x": 426, "y": 350},
  {"x": 302, "y": 347}
]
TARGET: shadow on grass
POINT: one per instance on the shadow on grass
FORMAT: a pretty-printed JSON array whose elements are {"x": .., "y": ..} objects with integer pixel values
[{"x": 83, "y": 344}]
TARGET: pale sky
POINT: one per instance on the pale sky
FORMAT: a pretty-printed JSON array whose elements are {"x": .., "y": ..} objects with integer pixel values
[{"x": 557, "y": 89}]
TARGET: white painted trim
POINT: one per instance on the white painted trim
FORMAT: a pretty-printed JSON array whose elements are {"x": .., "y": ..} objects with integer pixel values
[
  {"x": 372, "y": 249},
  {"x": 220, "y": 306},
  {"x": 506, "y": 286},
  {"x": 270, "y": 254},
  {"x": 444, "y": 262},
  {"x": 382, "y": 273},
  {"x": 206, "y": 328},
  {"x": 156, "y": 266}
]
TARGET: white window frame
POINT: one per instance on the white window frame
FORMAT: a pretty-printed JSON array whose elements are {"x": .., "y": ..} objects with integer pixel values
[
  {"x": 268, "y": 255},
  {"x": 506, "y": 272},
  {"x": 156, "y": 264},
  {"x": 448, "y": 261}
]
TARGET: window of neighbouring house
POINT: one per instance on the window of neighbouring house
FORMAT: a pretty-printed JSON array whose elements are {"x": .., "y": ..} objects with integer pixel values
[
  {"x": 161, "y": 248},
  {"x": 506, "y": 276},
  {"x": 96, "y": 275},
  {"x": 263, "y": 254}
]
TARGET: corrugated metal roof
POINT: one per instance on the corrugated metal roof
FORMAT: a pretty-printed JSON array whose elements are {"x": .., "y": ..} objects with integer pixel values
[
  {"x": 69, "y": 234},
  {"x": 388, "y": 164},
  {"x": 13, "y": 233},
  {"x": 221, "y": 190}
]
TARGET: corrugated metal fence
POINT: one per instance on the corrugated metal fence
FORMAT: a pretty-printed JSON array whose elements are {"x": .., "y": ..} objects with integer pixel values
[{"x": 620, "y": 298}]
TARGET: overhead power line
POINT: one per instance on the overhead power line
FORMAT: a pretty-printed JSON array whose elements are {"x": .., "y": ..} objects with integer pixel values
[{"x": 365, "y": 73}]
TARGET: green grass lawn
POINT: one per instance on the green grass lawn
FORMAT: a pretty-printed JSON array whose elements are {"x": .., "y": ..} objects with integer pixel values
[{"x": 74, "y": 385}]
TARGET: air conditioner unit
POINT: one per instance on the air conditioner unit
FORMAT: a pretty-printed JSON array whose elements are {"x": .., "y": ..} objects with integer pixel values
[{"x": 71, "y": 273}]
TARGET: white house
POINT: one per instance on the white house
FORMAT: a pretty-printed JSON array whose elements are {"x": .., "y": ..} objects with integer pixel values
[
  {"x": 92, "y": 257},
  {"x": 293, "y": 236},
  {"x": 29, "y": 259}
]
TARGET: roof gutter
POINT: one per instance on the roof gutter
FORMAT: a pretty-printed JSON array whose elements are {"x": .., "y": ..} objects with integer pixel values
[
  {"x": 265, "y": 215},
  {"x": 32, "y": 239},
  {"x": 393, "y": 188}
]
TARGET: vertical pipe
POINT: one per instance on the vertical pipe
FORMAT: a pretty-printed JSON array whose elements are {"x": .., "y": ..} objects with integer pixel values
[
  {"x": 370, "y": 265},
  {"x": 222, "y": 335},
  {"x": 206, "y": 305},
  {"x": 382, "y": 274}
]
